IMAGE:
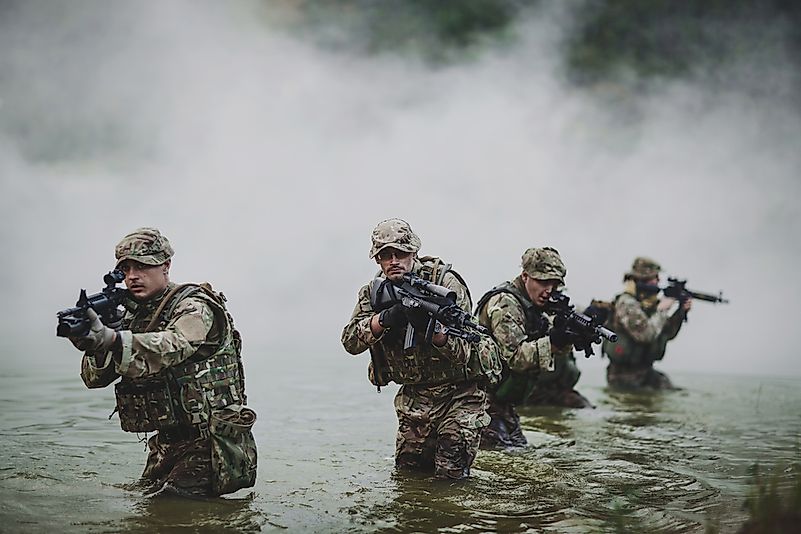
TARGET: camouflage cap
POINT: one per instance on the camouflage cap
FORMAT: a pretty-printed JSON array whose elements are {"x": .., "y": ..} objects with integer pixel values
[
  {"x": 395, "y": 233},
  {"x": 544, "y": 264},
  {"x": 145, "y": 245},
  {"x": 643, "y": 269}
]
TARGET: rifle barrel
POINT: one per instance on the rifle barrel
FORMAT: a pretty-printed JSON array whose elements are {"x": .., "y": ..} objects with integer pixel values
[{"x": 707, "y": 297}]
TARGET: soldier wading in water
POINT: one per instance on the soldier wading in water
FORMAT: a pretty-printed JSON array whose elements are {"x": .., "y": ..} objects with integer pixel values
[
  {"x": 539, "y": 366},
  {"x": 644, "y": 324},
  {"x": 441, "y": 405},
  {"x": 177, "y": 356}
]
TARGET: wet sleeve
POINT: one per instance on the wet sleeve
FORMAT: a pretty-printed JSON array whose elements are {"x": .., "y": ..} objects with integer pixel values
[
  {"x": 98, "y": 371},
  {"x": 357, "y": 336},
  {"x": 508, "y": 326},
  {"x": 633, "y": 319},
  {"x": 148, "y": 353}
]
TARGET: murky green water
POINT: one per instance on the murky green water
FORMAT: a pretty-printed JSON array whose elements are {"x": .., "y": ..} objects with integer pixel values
[{"x": 639, "y": 463}]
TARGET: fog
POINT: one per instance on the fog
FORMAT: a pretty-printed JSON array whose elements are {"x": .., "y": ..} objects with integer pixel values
[{"x": 267, "y": 159}]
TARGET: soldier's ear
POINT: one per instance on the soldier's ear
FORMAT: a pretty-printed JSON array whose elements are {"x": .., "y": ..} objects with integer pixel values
[{"x": 165, "y": 267}]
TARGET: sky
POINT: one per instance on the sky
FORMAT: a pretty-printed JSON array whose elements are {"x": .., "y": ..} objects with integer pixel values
[{"x": 267, "y": 159}]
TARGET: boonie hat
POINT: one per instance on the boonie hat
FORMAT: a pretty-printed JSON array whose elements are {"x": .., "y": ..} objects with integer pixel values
[
  {"x": 145, "y": 245},
  {"x": 395, "y": 233},
  {"x": 643, "y": 269},
  {"x": 544, "y": 264}
]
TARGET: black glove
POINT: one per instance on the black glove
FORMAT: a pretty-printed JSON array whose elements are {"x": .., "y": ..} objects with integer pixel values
[
  {"x": 559, "y": 335},
  {"x": 418, "y": 318},
  {"x": 599, "y": 314},
  {"x": 393, "y": 317}
]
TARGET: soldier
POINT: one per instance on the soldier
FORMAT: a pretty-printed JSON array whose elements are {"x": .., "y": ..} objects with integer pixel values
[
  {"x": 441, "y": 404},
  {"x": 644, "y": 325},
  {"x": 539, "y": 365},
  {"x": 178, "y": 356}
]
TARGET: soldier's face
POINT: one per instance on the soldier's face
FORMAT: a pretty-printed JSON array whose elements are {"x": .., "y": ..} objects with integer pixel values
[
  {"x": 539, "y": 291},
  {"x": 394, "y": 263},
  {"x": 145, "y": 281}
]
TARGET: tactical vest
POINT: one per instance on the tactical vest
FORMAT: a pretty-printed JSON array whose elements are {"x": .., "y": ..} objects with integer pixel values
[
  {"x": 181, "y": 398},
  {"x": 629, "y": 352},
  {"x": 536, "y": 324},
  {"x": 424, "y": 364},
  {"x": 514, "y": 386}
]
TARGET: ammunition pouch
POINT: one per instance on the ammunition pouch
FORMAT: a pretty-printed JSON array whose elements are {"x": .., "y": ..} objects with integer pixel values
[
  {"x": 233, "y": 449},
  {"x": 146, "y": 404}
]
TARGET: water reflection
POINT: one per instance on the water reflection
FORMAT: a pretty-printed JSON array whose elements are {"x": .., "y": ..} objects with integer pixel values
[{"x": 167, "y": 513}]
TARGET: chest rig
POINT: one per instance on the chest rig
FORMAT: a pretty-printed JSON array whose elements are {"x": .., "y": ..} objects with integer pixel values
[
  {"x": 180, "y": 399},
  {"x": 629, "y": 352},
  {"x": 536, "y": 323},
  {"x": 423, "y": 364}
]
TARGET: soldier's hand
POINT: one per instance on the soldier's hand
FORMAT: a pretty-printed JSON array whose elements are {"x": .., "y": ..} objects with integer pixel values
[
  {"x": 417, "y": 318},
  {"x": 687, "y": 304},
  {"x": 392, "y": 317},
  {"x": 596, "y": 312},
  {"x": 559, "y": 335},
  {"x": 665, "y": 304},
  {"x": 116, "y": 324},
  {"x": 100, "y": 338}
]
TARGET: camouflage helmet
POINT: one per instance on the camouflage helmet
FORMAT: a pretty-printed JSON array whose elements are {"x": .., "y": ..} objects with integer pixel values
[
  {"x": 643, "y": 269},
  {"x": 544, "y": 264},
  {"x": 395, "y": 233},
  {"x": 145, "y": 245}
]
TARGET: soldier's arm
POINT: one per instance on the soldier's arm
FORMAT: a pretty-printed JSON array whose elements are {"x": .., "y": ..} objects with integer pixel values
[
  {"x": 508, "y": 326},
  {"x": 148, "y": 353},
  {"x": 633, "y": 319},
  {"x": 357, "y": 336},
  {"x": 98, "y": 370},
  {"x": 673, "y": 324}
]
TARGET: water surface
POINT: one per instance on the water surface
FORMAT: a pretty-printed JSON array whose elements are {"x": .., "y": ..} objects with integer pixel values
[{"x": 672, "y": 462}]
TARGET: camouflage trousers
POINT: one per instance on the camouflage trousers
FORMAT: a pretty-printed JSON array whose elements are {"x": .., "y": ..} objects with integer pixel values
[
  {"x": 439, "y": 427},
  {"x": 504, "y": 429},
  {"x": 636, "y": 377},
  {"x": 179, "y": 466},
  {"x": 564, "y": 397}
]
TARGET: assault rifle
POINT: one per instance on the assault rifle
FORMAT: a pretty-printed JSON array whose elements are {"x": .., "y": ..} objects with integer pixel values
[
  {"x": 584, "y": 330},
  {"x": 74, "y": 322},
  {"x": 677, "y": 289},
  {"x": 436, "y": 303}
]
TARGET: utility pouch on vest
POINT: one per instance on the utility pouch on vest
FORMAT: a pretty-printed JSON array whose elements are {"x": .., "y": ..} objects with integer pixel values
[
  {"x": 233, "y": 449},
  {"x": 145, "y": 405},
  {"x": 485, "y": 360}
]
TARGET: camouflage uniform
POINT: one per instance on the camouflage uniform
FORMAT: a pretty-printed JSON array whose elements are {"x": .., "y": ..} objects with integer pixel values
[
  {"x": 441, "y": 404},
  {"x": 534, "y": 372},
  {"x": 643, "y": 333},
  {"x": 181, "y": 374}
]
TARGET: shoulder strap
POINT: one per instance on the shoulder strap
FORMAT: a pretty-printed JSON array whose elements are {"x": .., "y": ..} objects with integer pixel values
[
  {"x": 179, "y": 293},
  {"x": 166, "y": 300},
  {"x": 531, "y": 314},
  {"x": 434, "y": 270}
]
